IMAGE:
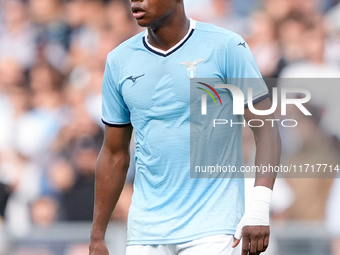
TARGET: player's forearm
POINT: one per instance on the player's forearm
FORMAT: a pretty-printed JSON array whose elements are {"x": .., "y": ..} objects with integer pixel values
[
  {"x": 268, "y": 152},
  {"x": 255, "y": 222},
  {"x": 110, "y": 178}
]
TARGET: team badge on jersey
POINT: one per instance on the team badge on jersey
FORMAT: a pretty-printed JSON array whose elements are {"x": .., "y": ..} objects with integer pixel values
[{"x": 192, "y": 69}]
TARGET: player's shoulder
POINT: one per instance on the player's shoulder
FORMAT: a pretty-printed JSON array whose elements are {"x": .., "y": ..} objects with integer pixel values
[
  {"x": 125, "y": 48},
  {"x": 209, "y": 30}
]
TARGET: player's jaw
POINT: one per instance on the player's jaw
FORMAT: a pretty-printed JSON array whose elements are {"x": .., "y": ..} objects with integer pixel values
[{"x": 152, "y": 13}]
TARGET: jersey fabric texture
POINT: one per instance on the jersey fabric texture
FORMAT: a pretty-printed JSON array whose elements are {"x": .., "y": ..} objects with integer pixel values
[{"x": 150, "y": 89}]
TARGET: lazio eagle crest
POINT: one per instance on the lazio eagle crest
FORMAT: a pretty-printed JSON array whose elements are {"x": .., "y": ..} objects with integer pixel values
[{"x": 192, "y": 69}]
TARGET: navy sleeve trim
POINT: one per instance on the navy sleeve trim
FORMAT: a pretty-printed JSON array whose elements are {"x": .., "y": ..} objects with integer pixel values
[{"x": 116, "y": 124}]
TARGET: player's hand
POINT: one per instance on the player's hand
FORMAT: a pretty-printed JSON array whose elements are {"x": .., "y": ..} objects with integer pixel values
[
  {"x": 254, "y": 225},
  {"x": 255, "y": 239},
  {"x": 98, "y": 248}
]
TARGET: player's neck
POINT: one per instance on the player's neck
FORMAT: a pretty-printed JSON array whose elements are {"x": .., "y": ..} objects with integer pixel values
[{"x": 169, "y": 35}]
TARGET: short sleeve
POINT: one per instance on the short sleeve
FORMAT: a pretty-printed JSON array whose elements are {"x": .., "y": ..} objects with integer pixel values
[
  {"x": 242, "y": 70},
  {"x": 114, "y": 110}
]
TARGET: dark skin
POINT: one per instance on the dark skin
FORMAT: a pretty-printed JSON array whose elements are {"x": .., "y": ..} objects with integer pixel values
[
  {"x": 112, "y": 165},
  {"x": 165, "y": 20},
  {"x": 167, "y": 24},
  {"x": 268, "y": 151}
]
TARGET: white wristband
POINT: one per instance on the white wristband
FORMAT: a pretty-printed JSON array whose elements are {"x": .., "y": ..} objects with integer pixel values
[{"x": 258, "y": 213}]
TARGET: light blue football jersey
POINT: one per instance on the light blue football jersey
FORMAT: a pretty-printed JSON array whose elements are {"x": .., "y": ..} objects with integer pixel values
[{"x": 150, "y": 89}]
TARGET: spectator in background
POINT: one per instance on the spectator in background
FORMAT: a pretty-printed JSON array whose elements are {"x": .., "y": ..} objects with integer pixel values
[
  {"x": 277, "y": 9},
  {"x": 58, "y": 179},
  {"x": 44, "y": 211},
  {"x": 77, "y": 202},
  {"x": 11, "y": 74},
  {"x": 86, "y": 18},
  {"x": 17, "y": 173},
  {"x": 315, "y": 65},
  {"x": 23, "y": 179},
  {"x": 220, "y": 13},
  {"x": 306, "y": 8},
  {"x": 313, "y": 135},
  {"x": 52, "y": 32},
  {"x": 4, "y": 194},
  {"x": 289, "y": 31},
  {"x": 15, "y": 104},
  {"x": 315, "y": 146},
  {"x": 17, "y": 36},
  {"x": 312, "y": 42},
  {"x": 263, "y": 42},
  {"x": 44, "y": 120}
]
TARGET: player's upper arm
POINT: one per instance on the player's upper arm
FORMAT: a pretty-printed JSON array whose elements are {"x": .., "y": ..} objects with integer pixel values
[
  {"x": 263, "y": 104},
  {"x": 117, "y": 139},
  {"x": 269, "y": 130}
]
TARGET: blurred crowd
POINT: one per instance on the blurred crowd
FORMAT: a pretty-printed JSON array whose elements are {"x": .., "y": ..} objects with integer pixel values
[{"x": 52, "y": 59}]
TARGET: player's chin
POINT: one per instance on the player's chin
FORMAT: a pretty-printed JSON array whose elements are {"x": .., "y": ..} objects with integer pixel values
[{"x": 143, "y": 22}]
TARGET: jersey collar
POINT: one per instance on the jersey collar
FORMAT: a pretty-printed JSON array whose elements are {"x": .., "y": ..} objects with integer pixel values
[{"x": 172, "y": 49}]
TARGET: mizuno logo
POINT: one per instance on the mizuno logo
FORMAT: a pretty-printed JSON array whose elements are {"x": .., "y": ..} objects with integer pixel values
[
  {"x": 242, "y": 44},
  {"x": 134, "y": 79}
]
